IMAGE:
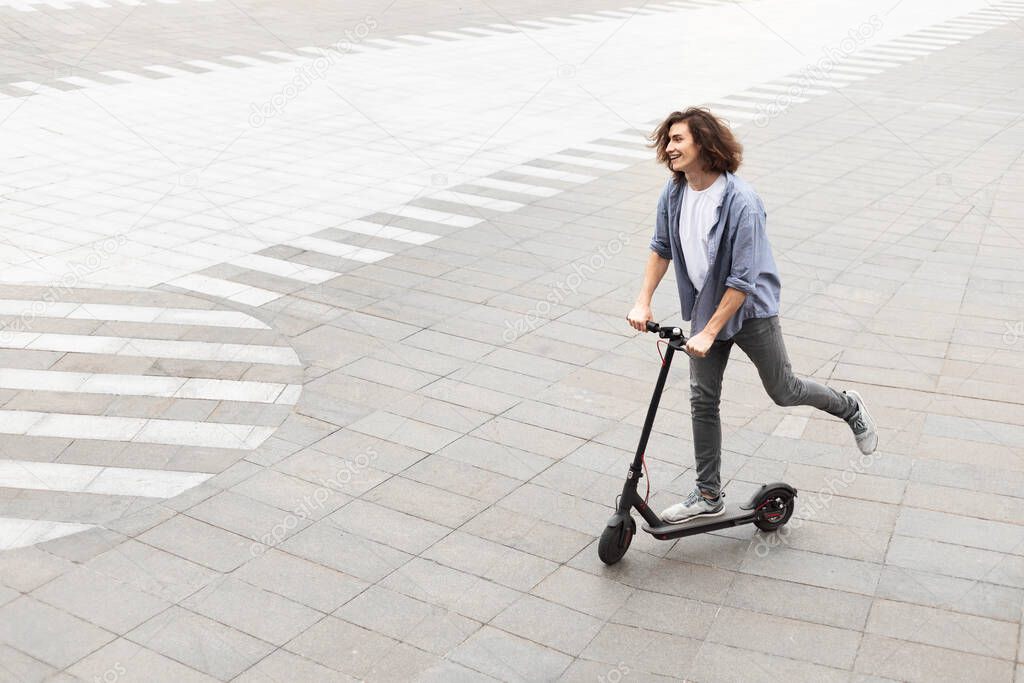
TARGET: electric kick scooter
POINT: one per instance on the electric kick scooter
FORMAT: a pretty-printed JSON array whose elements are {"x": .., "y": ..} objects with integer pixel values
[{"x": 768, "y": 509}]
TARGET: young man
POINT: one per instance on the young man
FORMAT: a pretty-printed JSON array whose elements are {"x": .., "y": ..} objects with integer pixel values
[{"x": 712, "y": 225}]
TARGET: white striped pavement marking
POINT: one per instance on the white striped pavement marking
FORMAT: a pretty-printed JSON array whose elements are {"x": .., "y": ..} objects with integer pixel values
[
  {"x": 156, "y": 348},
  {"x": 167, "y": 70},
  {"x": 128, "y": 77},
  {"x": 769, "y": 97},
  {"x": 134, "y": 429},
  {"x": 282, "y": 268},
  {"x": 511, "y": 186},
  {"x": 420, "y": 39},
  {"x": 868, "y": 54},
  {"x": 448, "y": 34},
  {"x": 923, "y": 43},
  {"x": 613, "y": 150},
  {"x": 247, "y": 61},
  {"x": 895, "y": 49},
  {"x": 226, "y": 289},
  {"x": 21, "y": 533},
  {"x": 637, "y": 138},
  {"x": 389, "y": 232},
  {"x": 382, "y": 42},
  {"x": 871, "y": 61},
  {"x": 433, "y": 216},
  {"x": 477, "y": 200},
  {"x": 286, "y": 56},
  {"x": 588, "y": 162},
  {"x": 111, "y": 481},
  {"x": 790, "y": 89},
  {"x": 551, "y": 174},
  {"x": 820, "y": 82},
  {"x": 209, "y": 66},
  {"x": 856, "y": 69},
  {"x": 127, "y": 313},
  {"x": 340, "y": 249},
  {"x": 37, "y": 88},
  {"x": 160, "y": 386}
]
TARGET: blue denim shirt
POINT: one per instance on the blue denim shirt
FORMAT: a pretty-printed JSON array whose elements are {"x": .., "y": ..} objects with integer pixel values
[{"x": 739, "y": 256}]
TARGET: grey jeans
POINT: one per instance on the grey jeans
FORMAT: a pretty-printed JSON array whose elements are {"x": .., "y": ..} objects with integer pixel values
[{"x": 761, "y": 340}]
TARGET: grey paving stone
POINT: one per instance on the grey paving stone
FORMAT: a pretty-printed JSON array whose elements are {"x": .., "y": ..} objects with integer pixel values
[
  {"x": 405, "y": 431},
  {"x": 643, "y": 652},
  {"x": 508, "y": 657},
  {"x": 50, "y": 635},
  {"x": 17, "y": 666},
  {"x": 201, "y": 543},
  {"x": 387, "y": 526},
  {"x": 496, "y": 457},
  {"x": 961, "y": 530},
  {"x": 125, "y": 660},
  {"x": 459, "y": 477},
  {"x": 305, "y": 582},
  {"x": 201, "y": 643},
  {"x": 960, "y": 595},
  {"x": 956, "y": 560},
  {"x": 569, "y": 511},
  {"x": 530, "y": 534},
  {"x": 596, "y": 596},
  {"x": 151, "y": 570},
  {"x": 439, "y": 413},
  {"x": 282, "y": 665},
  {"x": 799, "y": 601},
  {"x": 427, "y": 502},
  {"x": 504, "y": 565},
  {"x": 97, "y": 598},
  {"x": 943, "y": 628},
  {"x": 825, "y": 645},
  {"x": 717, "y": 662},
  {"x": 667, "y": 613},
  {"x": 452, "y": 589},
  {"x": 362, "y": 649},
  {"x": 24, "y": 569},
  {"x": 257, "y": 612},
  {"x": 901, "y": 660},
  {"x": 423, "y": 625},
  {"x": 289, "y": 494},
  {"x": 781, "y": 562},
  {"x": 241, "y": 515},
  {"x": 361, "y": 558},
  {"x": 350, "y": 474}
]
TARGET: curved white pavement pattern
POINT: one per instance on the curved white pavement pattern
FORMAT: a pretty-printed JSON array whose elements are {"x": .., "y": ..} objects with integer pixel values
[{"x": 110, "y": 400}]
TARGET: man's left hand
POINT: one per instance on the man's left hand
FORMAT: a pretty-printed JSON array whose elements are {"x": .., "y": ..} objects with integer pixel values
[{"x": 699, "y": 344}]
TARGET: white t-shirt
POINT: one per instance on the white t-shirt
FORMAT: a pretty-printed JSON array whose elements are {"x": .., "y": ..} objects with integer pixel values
[{"x": 696, "y": 218}]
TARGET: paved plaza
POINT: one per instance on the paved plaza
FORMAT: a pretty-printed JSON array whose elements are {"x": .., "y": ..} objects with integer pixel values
[{"x": 314, "y": 363}]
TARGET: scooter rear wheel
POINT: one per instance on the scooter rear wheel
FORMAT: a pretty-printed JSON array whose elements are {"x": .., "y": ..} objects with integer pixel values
[
  {"x": 774, "y": 512},
  {"x": 615, "y": 541}
]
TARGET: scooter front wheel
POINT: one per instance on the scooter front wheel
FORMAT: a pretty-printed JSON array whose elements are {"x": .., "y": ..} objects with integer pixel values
[{"x": 615, "y": 541}]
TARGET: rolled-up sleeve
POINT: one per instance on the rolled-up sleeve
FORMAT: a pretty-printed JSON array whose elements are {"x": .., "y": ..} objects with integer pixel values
[
  {"x": 746, "y": 249},
  {"x": 660, "y": 241}
]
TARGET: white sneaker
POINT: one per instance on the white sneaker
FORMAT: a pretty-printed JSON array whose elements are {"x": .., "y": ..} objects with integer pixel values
[
  {"x": 694, "y": 505},
  {"x": 863, "y": 425}
]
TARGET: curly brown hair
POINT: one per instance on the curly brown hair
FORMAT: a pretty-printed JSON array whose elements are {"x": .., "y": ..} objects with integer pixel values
[{"x": 719, "y": 149}]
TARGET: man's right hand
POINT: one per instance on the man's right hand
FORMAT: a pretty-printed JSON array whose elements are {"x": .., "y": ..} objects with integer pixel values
[{"x": 639, "y": 316}]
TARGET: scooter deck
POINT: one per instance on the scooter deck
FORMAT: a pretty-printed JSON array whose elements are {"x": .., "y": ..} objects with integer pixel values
[{"x": 733, "y": 515}]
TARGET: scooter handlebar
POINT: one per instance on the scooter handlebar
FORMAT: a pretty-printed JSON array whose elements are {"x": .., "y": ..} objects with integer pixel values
[{"x": 665, "y": 332}]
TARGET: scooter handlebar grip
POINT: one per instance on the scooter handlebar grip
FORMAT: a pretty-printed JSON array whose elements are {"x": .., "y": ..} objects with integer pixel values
[{"x": 652, "y": 326}]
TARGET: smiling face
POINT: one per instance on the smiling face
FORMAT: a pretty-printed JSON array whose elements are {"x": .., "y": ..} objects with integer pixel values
[{"x": 682, "y": 151}]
